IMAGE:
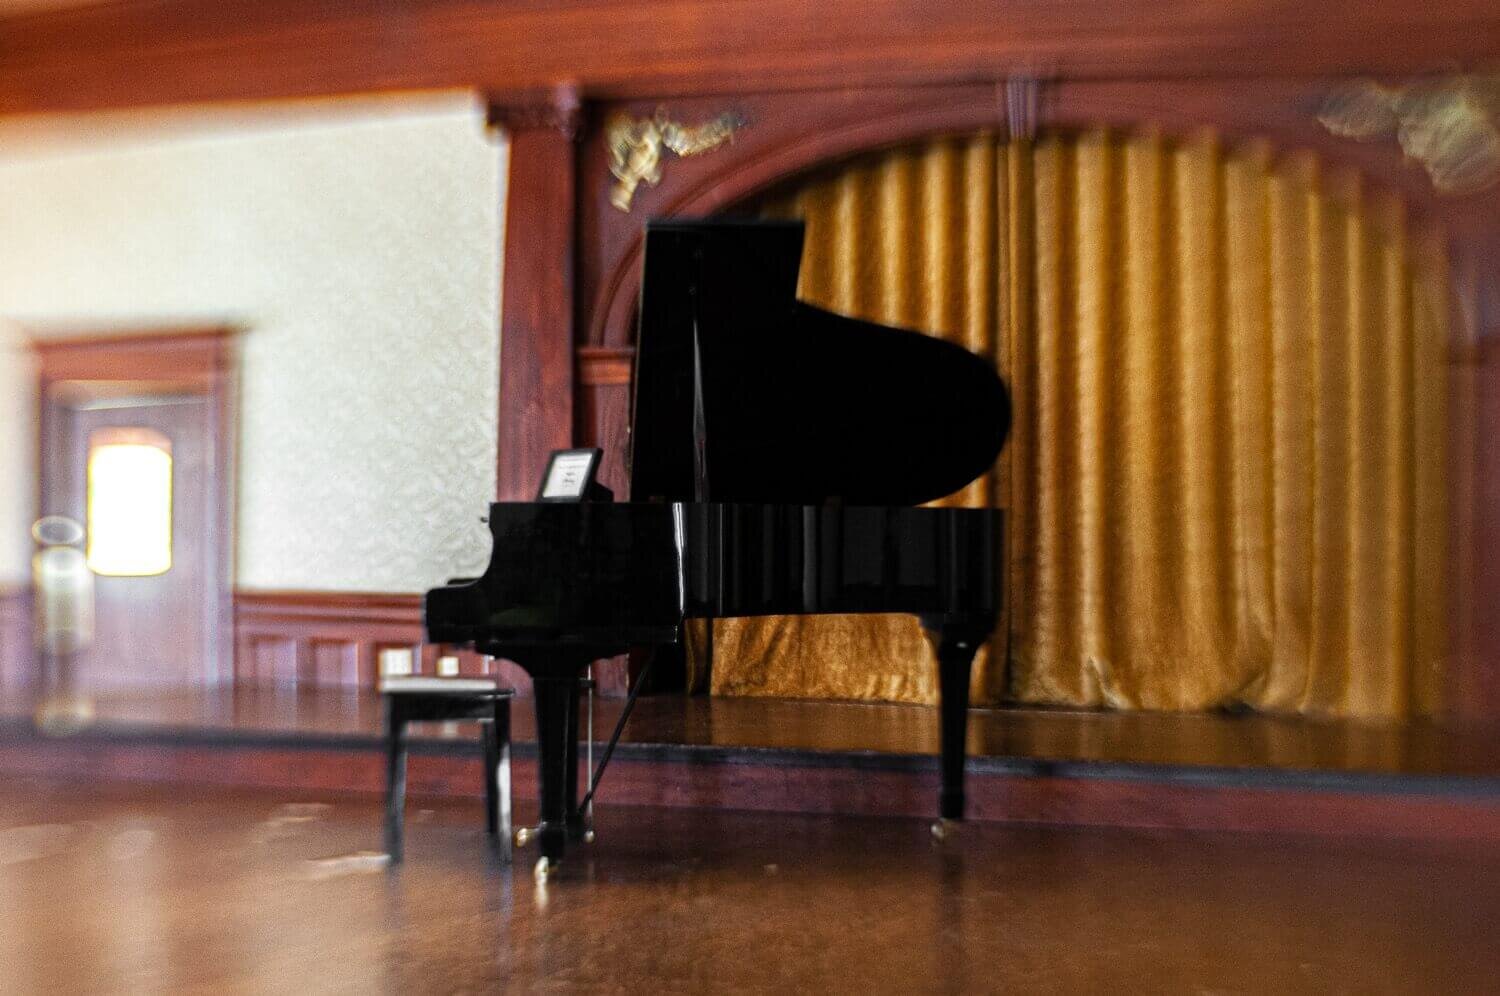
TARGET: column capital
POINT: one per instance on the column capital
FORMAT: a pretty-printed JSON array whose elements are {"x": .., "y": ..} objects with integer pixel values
[{"x": 559, "y": 108}]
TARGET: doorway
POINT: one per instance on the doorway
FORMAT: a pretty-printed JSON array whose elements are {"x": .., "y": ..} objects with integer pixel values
[{"x": 136, "y": 446}]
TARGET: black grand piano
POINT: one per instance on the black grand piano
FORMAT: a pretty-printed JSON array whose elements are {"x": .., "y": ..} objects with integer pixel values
[{"x": 778, "y": 455}]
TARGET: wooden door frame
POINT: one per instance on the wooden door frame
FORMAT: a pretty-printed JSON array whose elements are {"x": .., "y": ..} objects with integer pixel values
[{"x": 198, "y": 360}]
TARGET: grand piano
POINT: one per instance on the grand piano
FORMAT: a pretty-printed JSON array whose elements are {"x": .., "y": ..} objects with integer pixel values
[{"x": 778, "y": 456}]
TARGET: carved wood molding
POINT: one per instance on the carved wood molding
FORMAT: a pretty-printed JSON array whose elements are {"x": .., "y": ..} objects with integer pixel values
[
  {"x": 306, "y": 606},
  {"x": 801, "y": 132},
  {"x": 138, "y": 54},
  {"x": 793, "y": 133},
  {"x": 1448, "y": 124},
  {"x": 638, "y": 146},
  {"x": 604, "y": 365},
  {"x": 169, "y": 354},
  {"x": 559, "y": 109}
]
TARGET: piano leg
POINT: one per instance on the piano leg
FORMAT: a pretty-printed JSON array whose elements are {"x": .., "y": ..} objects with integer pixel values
[
  {"x": 557, "y": 759},
  {"x": 956, "y": 643},
  {"x": 575, "y": 817}
]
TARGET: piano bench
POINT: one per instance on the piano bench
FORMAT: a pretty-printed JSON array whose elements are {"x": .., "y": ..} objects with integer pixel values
[{"x": 435, "y": 700}]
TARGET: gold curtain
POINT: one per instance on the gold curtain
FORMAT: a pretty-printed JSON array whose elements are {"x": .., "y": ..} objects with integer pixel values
[{"x": 1225, "y": 480}]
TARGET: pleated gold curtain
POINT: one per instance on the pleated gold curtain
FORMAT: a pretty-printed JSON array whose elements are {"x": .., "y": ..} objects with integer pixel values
[{"x": 1225, "y": 481}]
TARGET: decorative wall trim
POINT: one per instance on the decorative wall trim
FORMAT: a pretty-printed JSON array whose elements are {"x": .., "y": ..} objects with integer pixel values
[
  {"x": 331, "y": 639},
  {"x": 196, "y": 354},
  {"x": 638, "y": 146},
  {"x": 1451, "y": 125},
  {"x": 797, "y": 133},
  {"x": 135, "y": 54},
  {"x": 557, "y": 109},
  {"x": 604, "y": 375},
  {"x": 599, "y": 366},
  {"x": 327, "y": 639}
]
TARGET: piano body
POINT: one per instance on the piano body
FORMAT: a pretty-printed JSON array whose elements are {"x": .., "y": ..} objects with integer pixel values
[{"x": 778, "y": 454}]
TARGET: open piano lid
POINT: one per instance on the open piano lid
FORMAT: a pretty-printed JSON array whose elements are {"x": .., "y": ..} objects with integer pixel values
[{"x": 787, "y": 403}]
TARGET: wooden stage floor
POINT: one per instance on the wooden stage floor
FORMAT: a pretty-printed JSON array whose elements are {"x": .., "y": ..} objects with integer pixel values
[
  {"x": 1226, "y": 747},
  {"x": 1059, "y": 767},
  {"x": 132, "y": 889}
]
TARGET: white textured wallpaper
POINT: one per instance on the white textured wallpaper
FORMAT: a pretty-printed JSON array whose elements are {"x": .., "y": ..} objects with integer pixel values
[{"x": 358, "y": 244}]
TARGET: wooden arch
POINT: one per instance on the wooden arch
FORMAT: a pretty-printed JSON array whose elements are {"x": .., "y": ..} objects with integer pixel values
[
  {"x": 782, "y": 141},
  {"x": 790, "y": 134},
  {"x": 787, "y": 135}
]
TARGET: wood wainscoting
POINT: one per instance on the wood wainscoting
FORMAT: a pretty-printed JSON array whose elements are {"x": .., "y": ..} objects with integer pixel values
[
  {"x": 329, "y": 639},
  {"x": 310, "y": 639}
]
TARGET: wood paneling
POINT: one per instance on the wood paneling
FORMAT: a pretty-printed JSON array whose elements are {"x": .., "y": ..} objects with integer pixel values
[
  {"x": 176, "y": 51},
  {"x": 335, "y": 663},
  {"x": 321, "y": 638},
  {"x": 334, "y": 639}
]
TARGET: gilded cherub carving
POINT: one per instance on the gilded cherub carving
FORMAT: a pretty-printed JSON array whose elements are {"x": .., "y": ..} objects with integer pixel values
[
  {"x": 1450, "y": 125},
  {"x": 636, "y": 144}
]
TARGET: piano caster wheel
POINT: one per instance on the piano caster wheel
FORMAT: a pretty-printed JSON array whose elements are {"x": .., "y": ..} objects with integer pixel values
[
  {"x": 543, "y": 870},
  {"x": 523, "y": 836},
  {"x": 943, "y": 829},
  {"x": 588, "y": 836}
]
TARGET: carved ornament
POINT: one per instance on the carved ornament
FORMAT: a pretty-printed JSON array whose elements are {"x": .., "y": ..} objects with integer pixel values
[
  {"x": 1450, "y": 125},
  {"x": 637, "y": 147}
]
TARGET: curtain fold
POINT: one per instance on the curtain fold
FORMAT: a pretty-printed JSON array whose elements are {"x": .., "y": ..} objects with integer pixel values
[{"x": 1224, "y": 484}]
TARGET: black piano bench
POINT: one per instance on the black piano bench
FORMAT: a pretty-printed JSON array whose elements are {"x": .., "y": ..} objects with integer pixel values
[{"x": 435, "y": 700}]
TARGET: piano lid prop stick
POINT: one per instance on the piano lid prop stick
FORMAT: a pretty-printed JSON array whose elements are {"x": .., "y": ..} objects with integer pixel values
[
  {"x": 614, "y": 738},
  {"x": 588, "y": 747}
]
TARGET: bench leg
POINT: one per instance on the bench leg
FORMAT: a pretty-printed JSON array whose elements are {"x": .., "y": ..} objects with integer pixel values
[
  {"x": 491, "y": 781},
  {"x": 395, "y": 777},
  {"x": 498, "y": 773}
]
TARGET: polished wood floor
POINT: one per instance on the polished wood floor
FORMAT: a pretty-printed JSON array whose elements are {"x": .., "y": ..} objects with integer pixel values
[
  {"x": 1228, "y": 744},
  {"x": 106, "y": 890}
]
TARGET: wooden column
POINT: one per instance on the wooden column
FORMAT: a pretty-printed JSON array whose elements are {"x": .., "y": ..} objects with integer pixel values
[{"x": 536, "y": 291}]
